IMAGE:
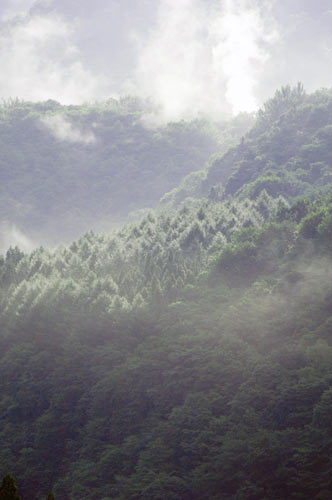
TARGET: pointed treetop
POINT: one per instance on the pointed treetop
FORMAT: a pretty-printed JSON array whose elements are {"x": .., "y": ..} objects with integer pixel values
[{"x": 8, "y": 489}]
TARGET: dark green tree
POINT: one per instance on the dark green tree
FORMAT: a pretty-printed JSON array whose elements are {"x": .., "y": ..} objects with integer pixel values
[{"x": 8, "y": 489}]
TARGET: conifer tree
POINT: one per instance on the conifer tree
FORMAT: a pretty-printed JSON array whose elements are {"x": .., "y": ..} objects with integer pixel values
[{"x": 8, "y": 489}]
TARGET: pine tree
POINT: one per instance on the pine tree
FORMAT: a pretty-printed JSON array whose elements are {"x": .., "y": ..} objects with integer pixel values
[{"x": 8, "y": 489}]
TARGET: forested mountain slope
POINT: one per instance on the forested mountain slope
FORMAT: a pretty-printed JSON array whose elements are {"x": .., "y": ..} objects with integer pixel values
[
  {"x": 68, "y": 169},
  {"x": 184, "y": 358},
  {"x": 188, "y": 355},
  {"x": 288, "y": 151}
]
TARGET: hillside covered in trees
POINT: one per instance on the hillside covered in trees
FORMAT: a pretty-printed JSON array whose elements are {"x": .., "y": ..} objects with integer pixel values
[
  {"x": 66, "y": 169},
  {"x": 287, "y": 151},
  {"x": 188, "y": 355}
]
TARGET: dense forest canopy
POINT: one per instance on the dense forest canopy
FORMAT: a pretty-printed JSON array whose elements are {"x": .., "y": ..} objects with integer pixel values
[
  {"x": 286, "y": 152},
  {"x": 187, "y": 355},
  {"x": 67, "y": 169}
]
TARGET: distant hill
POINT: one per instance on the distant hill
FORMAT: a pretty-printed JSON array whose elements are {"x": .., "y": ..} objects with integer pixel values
[{"x": 68, "y": 169}]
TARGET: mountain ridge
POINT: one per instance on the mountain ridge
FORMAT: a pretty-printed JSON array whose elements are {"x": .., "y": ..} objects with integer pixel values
[{"x": 187, "y": 355}]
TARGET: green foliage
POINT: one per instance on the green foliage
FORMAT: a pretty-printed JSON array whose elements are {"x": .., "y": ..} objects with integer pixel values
[
  {"x": 287, "y": 152},
  {"x": 310, "y": 223},
  {"x": 8, "y": 489},
  {"x": 284, "y": 100},
  {"x": 239, "y": 262},
  {"x": 70, "y": 168},
  {"x": 188, "y": 355},
  {"x": 296, "y": 212},
  {"x": 175, "y": 359}
]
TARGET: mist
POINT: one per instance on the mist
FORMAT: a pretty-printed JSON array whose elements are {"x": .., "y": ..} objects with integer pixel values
[
  {"x": 165, "y": 303},
  {"x": 190, "y": 56},
  {"x": 62, "y": 129},
  {"x": 206, "y": 58},
  {"x": 12, "y": 236}
]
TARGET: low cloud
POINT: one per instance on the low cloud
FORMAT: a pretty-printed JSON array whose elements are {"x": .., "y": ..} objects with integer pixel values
[
  {"x": 198, "y": 56},
  {"x": 40, "y": 60},
  {"x": 12, "y": 236},
  {"x": 63, "y": 129},
  {"x": 215, "y": 57},
  {"x": 205, "y": 57}
]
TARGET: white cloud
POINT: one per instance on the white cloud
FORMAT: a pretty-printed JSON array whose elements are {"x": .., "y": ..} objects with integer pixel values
[
  {"x": 240, "y": 36},
  {"x": 219, "y": 56},
  {"x": 12, "y": 236},
  {"x": 64, "y": 130},
  {"x": 40, "y": 61},
  {"x": 205, "y": 56}
]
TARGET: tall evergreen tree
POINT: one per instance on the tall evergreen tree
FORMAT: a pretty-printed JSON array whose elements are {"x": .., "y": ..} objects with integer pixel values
[{"x": 8, "y": 489}]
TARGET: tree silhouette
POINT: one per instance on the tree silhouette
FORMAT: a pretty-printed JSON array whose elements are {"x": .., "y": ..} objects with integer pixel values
[{"x": 8, "y": 489}]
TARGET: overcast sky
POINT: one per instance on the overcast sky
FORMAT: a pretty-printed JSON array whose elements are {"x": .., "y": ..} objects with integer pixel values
[{"x": 218, "y": 56}]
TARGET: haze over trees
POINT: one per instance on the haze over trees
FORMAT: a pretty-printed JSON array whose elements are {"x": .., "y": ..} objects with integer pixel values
[
  {"x": 187, "y": 355},
  {"x": 65, "y": 169}
]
